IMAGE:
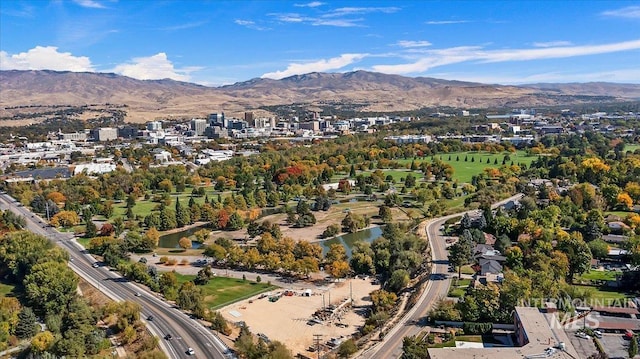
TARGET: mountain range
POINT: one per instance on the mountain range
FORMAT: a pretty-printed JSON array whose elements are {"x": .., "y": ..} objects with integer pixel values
[{"x": 369, "y": 91}]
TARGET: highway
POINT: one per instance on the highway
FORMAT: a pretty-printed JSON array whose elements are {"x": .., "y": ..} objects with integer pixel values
[
  {"x": 167, "y": 319},
  {"x": 437, "y": 287}
]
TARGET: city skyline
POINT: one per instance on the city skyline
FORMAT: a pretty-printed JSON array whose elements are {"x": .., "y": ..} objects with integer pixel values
[{"x": 216, "y": 43}]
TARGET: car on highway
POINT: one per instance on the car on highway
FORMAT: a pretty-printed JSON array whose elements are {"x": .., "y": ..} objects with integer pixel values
[
  {"x": 168, "y": 337},
  {"x": 138, "y": 294},
  {"x": 150, "y": 318},
  {"x": 95, "y": 265},
  {"x": 190, "y": 351},
  {"x": 597, "y": 334}
]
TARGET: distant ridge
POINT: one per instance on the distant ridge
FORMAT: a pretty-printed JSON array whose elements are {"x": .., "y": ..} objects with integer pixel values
[{"x": 371, "y": 91}]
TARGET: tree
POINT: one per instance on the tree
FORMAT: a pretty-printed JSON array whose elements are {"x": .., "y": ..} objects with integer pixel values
[
  {"x": 338, "y": 268},
  {"x": 624, "y": 200},
  {"x": 91, "y": 229},
  {"x": 353, "y": 222},
  {"x": 633, "y": 347},
  {"x": 347, "y": 348},
  {"x": 465, "y": 222},
  {"x": 153, "y": 236},
  {"x": 27, "y": 326},
  {"x": 168, "y": 283},
  {"x": 185, "y": 243},
  {"x": 414, "y": 348},
  {"x": 203, "y": 276},
  {"x": 331, "y": 231},
  {"x": 65, "y": 219},
  {"x": 42, "y": 341},
  {"x": 599, "y": 249},
  {"x": 189, "y": 296},
  {"x": 385, "y": 214},
  {"x": 235, "y": 222},
  {"x": 50, "y": 286},
  {"x": 577, "y": 252},
  {"x": 352, "y": 171},
  {"x": 398, "y": 280},
  {"x": 460, "y": 253},
  {"x": 383, "y": 300},
  {"x": 218, "y": 323}
]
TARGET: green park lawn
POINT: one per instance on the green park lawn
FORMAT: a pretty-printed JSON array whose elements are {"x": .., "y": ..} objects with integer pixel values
[
  {"x": 599, "y": 275},
  {"x": 463, "y": 171},
  {"x": 222, "y": 291},
  {"x": 144, "y": 207}
]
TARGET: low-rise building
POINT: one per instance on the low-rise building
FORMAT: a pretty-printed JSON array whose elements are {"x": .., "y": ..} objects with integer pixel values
[{"x": 538, "y": 335}]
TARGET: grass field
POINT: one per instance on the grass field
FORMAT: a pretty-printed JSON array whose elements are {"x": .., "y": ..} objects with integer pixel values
[
  {"x": 599, "y": 275},
  {"x": 621, "y": 214},
  {"x": 464, "y": 170},
  {"x": 631, "y": 148},
  {"x": 460, "y": 288},
  {"x": 222, "y": 291},
  {"x": 144, "y": 207},
  {"x": 5, "y": 289},
  {"x": 603, "y": 296}
]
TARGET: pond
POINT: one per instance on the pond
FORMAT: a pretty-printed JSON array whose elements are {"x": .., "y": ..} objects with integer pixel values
[
  {"x": 171, "y": 240},
  {"x": 347, "y": 240}
]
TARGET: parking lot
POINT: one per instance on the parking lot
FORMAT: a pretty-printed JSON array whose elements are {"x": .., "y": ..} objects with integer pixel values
[
  {"x": 584, "y": 347},
  {"x": 615, "y": 345}
]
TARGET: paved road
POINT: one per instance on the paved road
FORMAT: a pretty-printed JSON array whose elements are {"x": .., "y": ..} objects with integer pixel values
[
  {"x": 186, "y": 332},
  {"x": 437, "y": 287}
]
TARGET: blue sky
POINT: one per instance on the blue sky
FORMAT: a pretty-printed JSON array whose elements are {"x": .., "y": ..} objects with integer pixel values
[{"x": 222, "y": 42}]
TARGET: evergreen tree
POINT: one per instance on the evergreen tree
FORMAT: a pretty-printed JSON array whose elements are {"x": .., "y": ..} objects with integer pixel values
[
  {"x": 352, "y": 171},
  {"x": 27, "y": 326}
]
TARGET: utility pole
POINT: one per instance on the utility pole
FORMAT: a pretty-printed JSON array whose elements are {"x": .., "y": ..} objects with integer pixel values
[
  {"x": 351, "y": 292},
  {"x": 317, "y": 338}
]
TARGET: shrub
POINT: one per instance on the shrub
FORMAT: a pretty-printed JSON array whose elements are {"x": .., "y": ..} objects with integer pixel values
[{"x": 163, "y": 260}]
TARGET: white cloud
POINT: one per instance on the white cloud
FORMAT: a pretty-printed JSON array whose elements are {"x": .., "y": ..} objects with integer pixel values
[
  {"x": 317, "y": 66},
  {"x": 89, "y": 3},
  {"x": 621, "y": 76},
  {"x": 629, "y": 12},
  {"x": 446, "y": 22},
  {"x": 411, "y": 43},
  {"x": 454, "y": 55},
  {"x": 249, "y": 24},
  {"x": 184, "y": 26},
  {"x": 343, "y": 11},
  {"x": 311, "y": 4},
  {"x": 337, "y": 22},
  {"x": 552, "y": 43},
  {"x": 154, "y": 67},
  {"x": 44, "y": 58}
]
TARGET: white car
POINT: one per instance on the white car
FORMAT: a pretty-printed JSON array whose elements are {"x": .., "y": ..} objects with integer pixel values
[
  {"x": 190, "y": 351},
  {"x": 597, "y": 334},
  {"x": 582, "y": 335}
]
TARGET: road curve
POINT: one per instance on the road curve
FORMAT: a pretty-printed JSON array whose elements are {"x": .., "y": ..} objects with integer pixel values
[
  {"x": 437, "y": 287},
  {"x": 167, "y": 319}
]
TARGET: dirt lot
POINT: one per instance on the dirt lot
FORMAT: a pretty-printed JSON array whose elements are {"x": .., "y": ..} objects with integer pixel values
[{"x": 287, "y": 319}]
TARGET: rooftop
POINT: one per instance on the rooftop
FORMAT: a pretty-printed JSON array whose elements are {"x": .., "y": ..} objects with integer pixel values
[{"x": 541, "y": 330}]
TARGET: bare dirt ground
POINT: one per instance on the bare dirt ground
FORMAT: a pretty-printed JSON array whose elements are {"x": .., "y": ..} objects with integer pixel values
[{"x": 286, "y": 320}]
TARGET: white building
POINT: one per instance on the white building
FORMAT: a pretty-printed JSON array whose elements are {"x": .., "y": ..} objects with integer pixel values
[
  {"x": 103, "y": 134},
  {"x": 198, "y": 125},
  {"x": 94, "y": 168},
  {"x": 154, "y": 126}
]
